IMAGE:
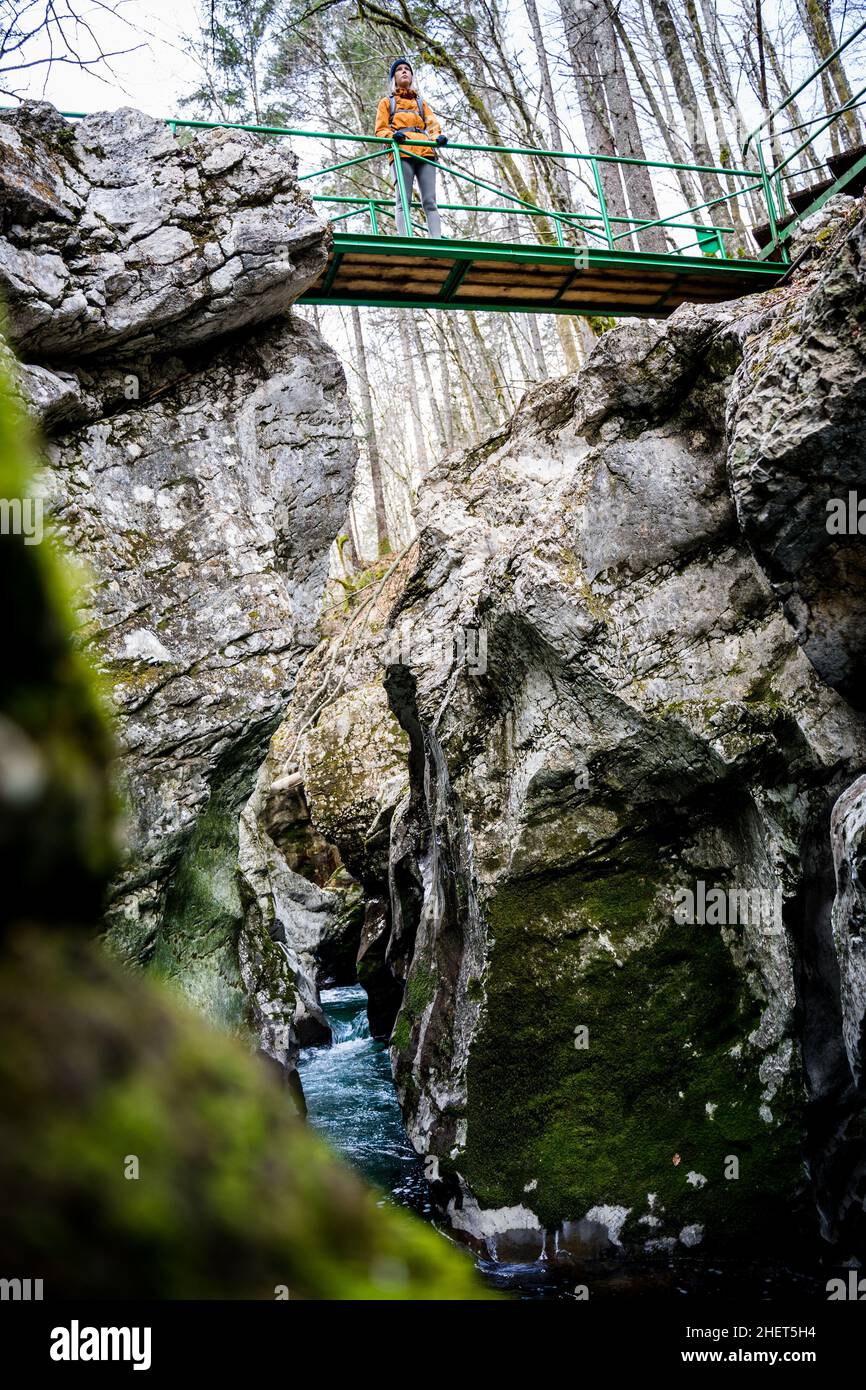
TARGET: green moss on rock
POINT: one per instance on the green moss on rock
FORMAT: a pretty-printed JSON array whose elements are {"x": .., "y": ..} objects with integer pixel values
[
  {"x": 233, "y": 1197},
  {"x": 668, "y": 1069},
  {"x": 197, "y": 946}
]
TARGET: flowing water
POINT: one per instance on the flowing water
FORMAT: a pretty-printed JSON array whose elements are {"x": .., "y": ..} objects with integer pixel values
[{"x": 351, "y": 1100}]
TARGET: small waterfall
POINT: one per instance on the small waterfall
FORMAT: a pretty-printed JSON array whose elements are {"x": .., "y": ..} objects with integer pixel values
[{"x": 336, "y": 1002}]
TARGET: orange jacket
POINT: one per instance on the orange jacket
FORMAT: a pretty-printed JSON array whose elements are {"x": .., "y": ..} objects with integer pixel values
[{"x": 407, "y": 117}]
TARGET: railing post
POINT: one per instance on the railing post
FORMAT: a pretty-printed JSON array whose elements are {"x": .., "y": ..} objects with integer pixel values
[
  {"x": 374, "y": 221},
  {"x": 768, "y": 193},
  {"x": 404, "y": 201},
  {"x": 602, "y": 202}
]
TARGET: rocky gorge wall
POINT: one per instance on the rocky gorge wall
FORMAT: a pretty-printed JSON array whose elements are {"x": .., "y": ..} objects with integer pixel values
[
  {"x": 575, "y": 786},
  {"x": 200, "y": 459},
  {"x": 598, "y": 767}
]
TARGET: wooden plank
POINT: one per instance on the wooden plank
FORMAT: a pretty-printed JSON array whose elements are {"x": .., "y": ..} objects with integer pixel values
[
  {"x": 397, "y": 272},
  {"x": 712, "y": 285},
  {"x": 515, "y": 268},
  {"x": 521, "y": 283},
  {"x": 627, "y": 272},
  {"x": 525, "y": 263},
  {"x": 370, "y": 262},
  {"x": 516, "y": 292},
  {"x": 576, "y": 301},
  {"x": 599, "y": 276},
  {"x": 360, "y": 278},
  {"x": 516, "y": 277},
  {"x": 502, "y": 277},
  {"x": 637, "y": 282},
  {"x": 383, "y": 291}
]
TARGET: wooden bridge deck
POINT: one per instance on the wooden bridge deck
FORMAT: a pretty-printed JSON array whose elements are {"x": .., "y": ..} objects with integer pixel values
[{"x": 416, "y": 272}]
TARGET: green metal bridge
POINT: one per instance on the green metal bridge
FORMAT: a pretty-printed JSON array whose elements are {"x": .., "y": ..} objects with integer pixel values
[{"x": 524, "y": 252}]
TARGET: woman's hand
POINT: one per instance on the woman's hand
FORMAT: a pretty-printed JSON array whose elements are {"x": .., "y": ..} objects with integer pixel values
[{"x": 399, "y": 136}]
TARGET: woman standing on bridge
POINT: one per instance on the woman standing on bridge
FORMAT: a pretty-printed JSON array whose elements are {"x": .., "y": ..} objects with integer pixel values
[{"x": 405, "y": 114}]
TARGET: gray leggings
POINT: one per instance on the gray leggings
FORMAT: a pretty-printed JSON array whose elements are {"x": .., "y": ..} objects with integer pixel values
[{"x": 425, "y": 174}]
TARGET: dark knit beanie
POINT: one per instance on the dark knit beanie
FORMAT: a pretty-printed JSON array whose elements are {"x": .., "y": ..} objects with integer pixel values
[{"x": 395, "y": 65}]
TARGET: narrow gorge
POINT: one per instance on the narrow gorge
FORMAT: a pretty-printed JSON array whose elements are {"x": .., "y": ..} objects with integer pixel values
[{"x": 573, "y": 785}]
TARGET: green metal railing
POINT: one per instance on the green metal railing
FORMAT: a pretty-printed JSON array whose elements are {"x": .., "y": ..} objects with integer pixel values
[
  {"x": 716, "y": 225},
  {"x": 605, "y": 228},
  {"x": 781, "y": 220}
]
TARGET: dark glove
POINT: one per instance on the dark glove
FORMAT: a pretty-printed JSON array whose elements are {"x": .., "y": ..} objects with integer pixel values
[
  {"x": 441, "y": 139},
  {"x": 399, "y": 136}
]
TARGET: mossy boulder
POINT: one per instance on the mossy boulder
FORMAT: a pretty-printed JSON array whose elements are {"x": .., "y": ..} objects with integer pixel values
[
  {"x": 56, "y": 805},
  {"x": 144, "y": 1155}
]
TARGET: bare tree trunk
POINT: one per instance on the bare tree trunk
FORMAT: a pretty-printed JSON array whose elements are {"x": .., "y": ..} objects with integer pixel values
[
  {"x": 687, "y": 98},
  {"x": 412, "y": 388},
  {"x": 557, "y": 132},
  {"x": 481, "y": 375},
  {"x": 445, "y": 372},
  {"x": 724, "y": 86},
  {"x": 469, "y": 375},
  {"x": 517, "y": 350},
  {"x": 818, "y": 24},
  {"x": 537, "y": 346},
  {"x": 626, "y": 133},
  {"x": 809, "y": 157},
  {"x": 492, "y": 370},
  {"x": 439, "y": 423},
  {"x": 372, "y": 442},
  {"x": 590, "y": 95},
  {"x": 724, "y": 153},
  {"x": 567, "y": 343},
  {"x": 354, "y": 540},
  {"x": 254, "y": 81},
  {"x": 665, "y": 123},
  {"x": 609, "y": 115}
]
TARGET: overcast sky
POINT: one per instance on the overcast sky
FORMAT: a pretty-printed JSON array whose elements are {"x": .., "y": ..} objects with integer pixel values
[{"x": 152, "y": 78}]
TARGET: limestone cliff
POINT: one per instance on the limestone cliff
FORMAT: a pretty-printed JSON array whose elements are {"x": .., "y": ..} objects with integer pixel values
[{"x": 200, "y": 459}]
